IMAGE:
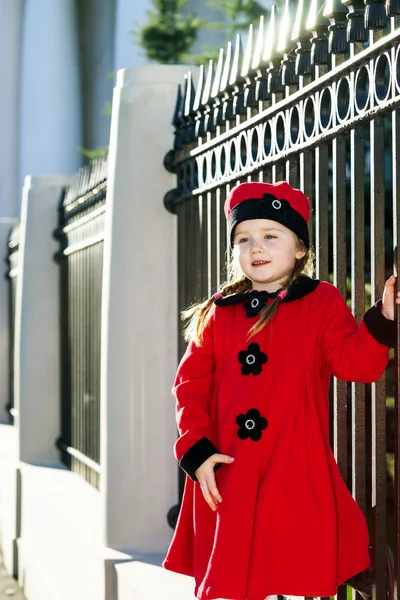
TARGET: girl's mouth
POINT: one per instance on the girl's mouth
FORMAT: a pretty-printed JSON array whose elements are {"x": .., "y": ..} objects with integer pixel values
[{"x": 260, "y": 263}]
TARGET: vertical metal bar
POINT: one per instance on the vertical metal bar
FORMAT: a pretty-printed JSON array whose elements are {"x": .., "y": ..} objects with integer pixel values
[
  {"x": 378, "y": 389},
  {"x": 321, "y": 210},
  {"x": 181, "y": 273},
  {"x": 340, "y": 408},
  {"x": 193, "y": 266},
  {"x": 292, "y": 171},
  {"x": 396, "y": 237},
  {"x": 306, "y": 184},
  {"x": 183, "y": 294},
  {"x": 339, "y": 280},
  {"x": 211, "y": 243},
  {"x": 278, "y": 171},
  {"x": 357, "y": 145},
  {"x": 224, "y": 242},
  {"x": 204, "y": 260}
]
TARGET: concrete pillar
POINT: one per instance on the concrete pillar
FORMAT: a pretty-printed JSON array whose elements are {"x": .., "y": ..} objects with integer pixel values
[
  {"x": 139, "y": 318},
  {"x": 6, "y": 226},
  {"x": 37, "y": 323},
  {"x": 10, "y": 43},
  {"x": 50, "y": 131}
]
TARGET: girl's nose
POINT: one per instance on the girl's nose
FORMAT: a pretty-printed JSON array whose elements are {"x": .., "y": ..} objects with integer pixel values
[{"x": 256, "y": 246}]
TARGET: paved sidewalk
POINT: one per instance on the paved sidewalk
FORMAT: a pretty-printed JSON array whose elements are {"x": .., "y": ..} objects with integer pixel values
[{"x": 9, "y": 589}]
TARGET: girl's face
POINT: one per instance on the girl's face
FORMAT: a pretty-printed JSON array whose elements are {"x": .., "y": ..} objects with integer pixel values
[{"x": 266, "y": 252}]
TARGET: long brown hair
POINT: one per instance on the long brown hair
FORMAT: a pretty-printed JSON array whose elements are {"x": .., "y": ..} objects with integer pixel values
[{"x": 198, "y": 314}]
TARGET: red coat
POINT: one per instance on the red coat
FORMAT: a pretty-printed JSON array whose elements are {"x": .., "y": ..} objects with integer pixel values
[{"x": 287, "y": 523}]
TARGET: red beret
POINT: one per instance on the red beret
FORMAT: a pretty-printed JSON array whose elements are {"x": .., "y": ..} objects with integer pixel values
[{"x": 278, "y": 202}]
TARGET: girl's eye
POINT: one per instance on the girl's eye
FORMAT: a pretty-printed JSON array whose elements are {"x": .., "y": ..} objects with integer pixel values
[
  {"x": 243, "y": 240},
  {"x": 269, "y": 236}
]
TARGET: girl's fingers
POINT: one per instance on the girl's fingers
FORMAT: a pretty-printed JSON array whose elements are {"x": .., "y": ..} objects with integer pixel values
[
  {"x": 222, "y": 458},
  {"x": 207, "y": 496},
  {"x": 212, "y": 486}
]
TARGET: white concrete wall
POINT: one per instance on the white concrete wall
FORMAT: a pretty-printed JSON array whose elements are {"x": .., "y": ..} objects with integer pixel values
[
  {"x": 61, "y": 555},
  {"x": 139, "y": 320},
  {"x": 60, "y": 551},
  {"x": 37, "y": 324},
  {"x": 143, "y": 581},
  {"x": 9, "y": 497}
]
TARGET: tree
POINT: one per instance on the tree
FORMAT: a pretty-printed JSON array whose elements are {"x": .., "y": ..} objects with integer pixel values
[
  {"x": 169, "y": 34},
  {"x": 240, "y": 13}
]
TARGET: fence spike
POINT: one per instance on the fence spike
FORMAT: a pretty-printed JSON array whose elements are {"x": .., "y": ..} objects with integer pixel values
[
  {"x": 199, "y": 89},
  {"x": 237, "y": 59},
  {"x": 248, "y": 53},
  {"x": 302, "y": 36},
  {"x": 356, "y": 30},
  {"x": 227, "y": 68},
  {"x": 392, "y": 8},
  {"x": 269, "y": 47},
  {"x": 189, "y": 94},
  {"x": 176, "y": 120},
  {"x": 258, "y": 49},
  {"x": 375, "y": 14},
  {"x": 286, "y": 47},
  {"x": 218, "y": 74},
  {"x": 318, "y": 25},
  {"x": 337, "y": 12},
  {"x": 284, "y": 41},
  {"x": 207, "y": 86},
  {"x": 271, "y": 56}
]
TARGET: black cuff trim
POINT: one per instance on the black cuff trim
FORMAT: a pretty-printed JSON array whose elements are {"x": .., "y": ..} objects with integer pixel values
[
  {"x": 382, "y": 329},
  {"x": 196, "y": 456}
]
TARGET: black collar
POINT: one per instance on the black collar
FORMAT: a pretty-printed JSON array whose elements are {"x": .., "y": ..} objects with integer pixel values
[{"x": 300, "y": 287}]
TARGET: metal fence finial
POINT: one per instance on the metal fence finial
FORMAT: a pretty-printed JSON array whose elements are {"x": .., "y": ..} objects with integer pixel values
[
  {"x": 189, "y": 95},
  {"x": 199, "y": 89},
  {"x": 227, "y": 68},
  {"x": 317, "y": 23},
  {"x": 302, "y": 36},
  {"x": 270, "y": 38},
  {"x": 392, "y": 8},
  {"x": 375, "y": 14},
  {"x": 237, "y": 60},
  {"x": 248, "y": 53},
  {"x": 176, "y": 119},
  {"x": 271, "y": 56},
  {"x": 218, "y": 74},
  {"x": 356, "y": 31},
  {"x": 259, "y": 45},
  {"x": 208, "y": 84},
  {"x": 286, "y": 47},
  {"x": 336, "y": 12}
]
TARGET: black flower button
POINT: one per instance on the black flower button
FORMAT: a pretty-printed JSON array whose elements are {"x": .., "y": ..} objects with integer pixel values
[
  {"x": 255, "y": 302},
  {"x": 252, "y": 424},
  {"x": 252, "y": 359}
]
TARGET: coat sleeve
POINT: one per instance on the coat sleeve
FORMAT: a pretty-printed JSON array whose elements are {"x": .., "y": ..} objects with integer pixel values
[
  {"x": 355, "y": 352},
  {"x": 193, "y": 391}
]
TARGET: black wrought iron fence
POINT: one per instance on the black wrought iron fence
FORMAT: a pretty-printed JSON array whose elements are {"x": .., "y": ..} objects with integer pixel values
[
  {"x": 81, "y": 233},
  {"x": 13, "y": 265},
  {"x": 314, "y": 98}
]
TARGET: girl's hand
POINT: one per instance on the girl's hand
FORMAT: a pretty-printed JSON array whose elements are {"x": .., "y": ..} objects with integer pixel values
[
  {"x": 206, "y": 477},
  {"x": 388, "y": 299}
]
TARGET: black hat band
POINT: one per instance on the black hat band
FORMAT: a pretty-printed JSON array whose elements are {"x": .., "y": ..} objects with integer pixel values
[{"x": 271, "y": 208}]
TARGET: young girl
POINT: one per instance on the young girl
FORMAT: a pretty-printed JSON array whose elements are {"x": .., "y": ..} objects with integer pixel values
[{"x": 265, "y": 512}]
